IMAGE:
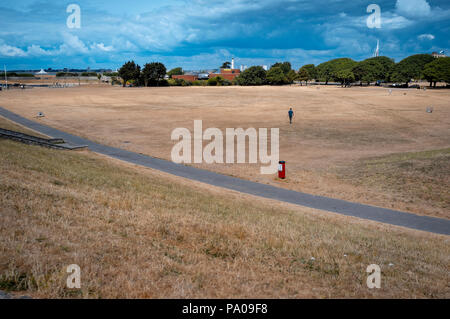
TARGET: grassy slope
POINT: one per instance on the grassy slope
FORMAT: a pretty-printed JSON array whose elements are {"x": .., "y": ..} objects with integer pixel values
[
  {"x": 9, "y": 125},
  {"x": 137, "y": 235},
  {"x": 421, "y": 179}
]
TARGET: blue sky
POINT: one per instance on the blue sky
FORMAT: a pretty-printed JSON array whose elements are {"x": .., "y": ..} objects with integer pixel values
[{"x": 199, "y": 34}]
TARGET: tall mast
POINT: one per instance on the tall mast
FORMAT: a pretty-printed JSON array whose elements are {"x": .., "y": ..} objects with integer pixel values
[{"x": 377, "y": 51}]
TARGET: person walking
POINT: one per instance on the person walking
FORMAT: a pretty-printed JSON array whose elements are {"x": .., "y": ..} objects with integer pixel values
[{"x": 291, "y": 115}]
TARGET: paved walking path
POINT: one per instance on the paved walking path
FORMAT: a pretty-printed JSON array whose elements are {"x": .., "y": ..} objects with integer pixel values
[
  {"x": 388, "y": 216},
  {"x": 4, "y": 295}
]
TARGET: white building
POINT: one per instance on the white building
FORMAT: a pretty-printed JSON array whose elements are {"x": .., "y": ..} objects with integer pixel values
[
  {"x": 438, "y": 55},
  {"x": 41, "y": 72}
]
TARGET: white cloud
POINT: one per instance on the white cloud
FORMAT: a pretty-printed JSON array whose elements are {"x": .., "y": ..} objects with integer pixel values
[
  {"x": 426, "y": 37},
  {"x": 10, "y": 51},
  {"x": 72, "y": 44},
  {"x": 392, "y": 21},
  {"x": 36, "y": 50},
  {"x": 101, "y": 47},
  {"x": 346, "y": 40},
  {"x": 389, "y": 21},
  {"x": 161, "y": 31},
  {"x": 413, "y": 8}
]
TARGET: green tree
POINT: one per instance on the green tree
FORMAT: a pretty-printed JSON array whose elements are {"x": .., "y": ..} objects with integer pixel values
[
  {"x": 438, "y": 70},
  {"x": 129, "y": 71},
  {"x": 111, "y": 74},
  {"x": 346, "y": 77},
  {"x": 226, "y": 65},
  {"x": 178, "y": 82},
  {"x": 276, "y": 76},
  {"x": 153, "y": 73},
  {"x": 285, "y": 66},
  {"x": 212, "y": 81},
  {"x": 218, "y": 81},
  {"x": 254, "y": 75},
  {"x": 303, "y": 75},
  {"x": 307, "y": 73},
  {"x": 291, "y": 76},
  {"x": 327, "y": 70},
  {"x": 373, "y": 69},
  {"x": 311, "y": 70},
  {"x": 410, "y": 68},
  {"x": 175, "y": 71}
]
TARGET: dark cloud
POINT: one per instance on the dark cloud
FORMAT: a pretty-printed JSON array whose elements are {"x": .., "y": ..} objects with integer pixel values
[{"x": 203, "y": 33}]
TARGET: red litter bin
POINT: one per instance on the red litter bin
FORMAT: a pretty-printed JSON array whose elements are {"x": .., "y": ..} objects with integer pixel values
[{"x": 282, "y": 169}]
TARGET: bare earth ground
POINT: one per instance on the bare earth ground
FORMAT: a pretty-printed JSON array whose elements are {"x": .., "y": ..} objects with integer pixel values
[
  {"x": 141, "y": 233},
  {"x": 358, "y": 144},
  {"x": 51, "y": 80}
]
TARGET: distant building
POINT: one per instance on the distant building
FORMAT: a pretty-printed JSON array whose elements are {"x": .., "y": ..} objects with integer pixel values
[
  {"x": 186, "y": 77},
  {"x": 438, "y": 55},
  {"x": 228, "y": 74},
  {"x": 203, "y": 76},
  {"x": 41, "y": 72},
  {"x": 105, "y": 79},
  {"x": 191, "y": 76}
]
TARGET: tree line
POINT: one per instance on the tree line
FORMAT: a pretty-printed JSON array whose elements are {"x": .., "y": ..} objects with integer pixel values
[
  {"x": 76, "y": 74},
  {"x": 19, "y": 75},
  {"x": 342, "y": 70},
  {"x": 151, "y": 75},
  {"x": 347, "y": 71},
  {"x": 383, "y": 69}
]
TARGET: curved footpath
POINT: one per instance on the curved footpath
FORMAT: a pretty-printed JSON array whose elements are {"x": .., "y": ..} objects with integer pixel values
[{"x": 383, "y": 215}]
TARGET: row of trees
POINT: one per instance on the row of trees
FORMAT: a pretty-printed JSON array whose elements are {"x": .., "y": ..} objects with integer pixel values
[
  {"x": 380, "y": 69},
  {"x": 19, "y": 75},
  {"x": 342, "y": 70},
  {"x": 280, "y": 73},
  {"x": 437, "y": 71},
  {"x": 151, "y": 75},
  {"x": 347, "y": 71}
]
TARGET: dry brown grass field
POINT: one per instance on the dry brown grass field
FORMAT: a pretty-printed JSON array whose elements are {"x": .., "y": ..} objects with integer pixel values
[
  {"x": 358, "y": 144},
  {"x": 140, "y": 233}
]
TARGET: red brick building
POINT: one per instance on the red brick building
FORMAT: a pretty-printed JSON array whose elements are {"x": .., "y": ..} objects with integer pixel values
[
  {"x": 187, "y": 77},
  {"x": 228, "y": 74}
]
